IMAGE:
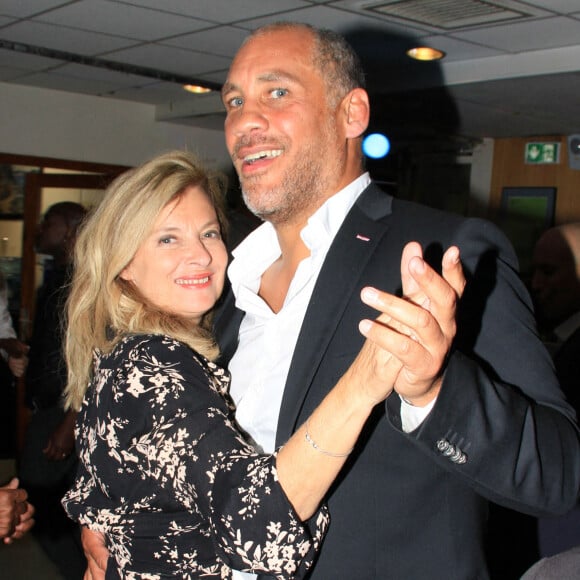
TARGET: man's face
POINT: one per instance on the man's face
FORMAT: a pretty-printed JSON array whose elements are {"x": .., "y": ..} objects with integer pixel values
[
  {"x": 287, "y": 144},
  {"x": 52, "y": 234},
  {"x": 555, "y": 284}
]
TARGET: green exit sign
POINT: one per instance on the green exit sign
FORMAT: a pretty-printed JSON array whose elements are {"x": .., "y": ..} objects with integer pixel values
[{"x": 542, "y": 153}]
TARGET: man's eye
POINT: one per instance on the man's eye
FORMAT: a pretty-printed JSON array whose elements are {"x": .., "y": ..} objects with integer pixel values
[
  {"x": 278, "y": 93},
  {"x": 235, "y": 102}
]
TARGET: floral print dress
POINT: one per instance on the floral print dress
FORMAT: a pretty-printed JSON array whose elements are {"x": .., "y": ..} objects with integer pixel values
[{"x": 166, "y": 475}]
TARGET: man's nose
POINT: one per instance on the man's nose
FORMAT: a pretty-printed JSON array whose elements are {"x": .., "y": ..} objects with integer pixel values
[{"x": 250, "y": 117}]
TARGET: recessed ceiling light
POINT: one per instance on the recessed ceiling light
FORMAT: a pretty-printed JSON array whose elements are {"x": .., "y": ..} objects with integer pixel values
[
  {"x": 197, "y": 89},
  {"x": 425, "y": 53}
]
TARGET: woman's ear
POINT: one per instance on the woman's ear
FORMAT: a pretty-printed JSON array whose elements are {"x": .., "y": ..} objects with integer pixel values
[
  {"x": 126, "y": 274},
  {"x": 357, "y": 109}
]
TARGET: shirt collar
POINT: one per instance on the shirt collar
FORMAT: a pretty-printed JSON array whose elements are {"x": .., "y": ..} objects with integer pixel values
[{"x": 260, "y": 248}]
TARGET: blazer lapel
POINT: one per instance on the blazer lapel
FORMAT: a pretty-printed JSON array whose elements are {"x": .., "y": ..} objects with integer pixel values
[{"x": 347, "y": 257}]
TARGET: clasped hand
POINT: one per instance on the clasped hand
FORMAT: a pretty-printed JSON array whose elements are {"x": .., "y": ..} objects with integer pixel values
[
  {"x": 408, "y": 343},
  {"x": 16, "y": 514}
]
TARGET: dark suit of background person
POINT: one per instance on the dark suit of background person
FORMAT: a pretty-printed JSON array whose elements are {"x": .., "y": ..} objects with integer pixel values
[
  {"x": 555, "y": 288},
  {"x": 406, "y": 505},
  {"x": 48, "y": 462}
]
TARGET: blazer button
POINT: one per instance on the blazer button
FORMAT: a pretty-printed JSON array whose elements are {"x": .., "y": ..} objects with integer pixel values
[
  {"x": 459, "y": 457},
  {"x": 443, "y": 445}
]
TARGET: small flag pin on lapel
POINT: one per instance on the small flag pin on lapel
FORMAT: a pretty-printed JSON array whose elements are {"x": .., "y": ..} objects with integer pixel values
[{"x": 363, "y": 238}]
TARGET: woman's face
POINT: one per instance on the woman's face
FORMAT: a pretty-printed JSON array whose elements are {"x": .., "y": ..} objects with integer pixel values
[{"x": 180, "y": 267}]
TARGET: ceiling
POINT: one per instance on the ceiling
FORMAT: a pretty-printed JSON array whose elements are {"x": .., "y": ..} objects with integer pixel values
[{"x": 512, "y": 68}]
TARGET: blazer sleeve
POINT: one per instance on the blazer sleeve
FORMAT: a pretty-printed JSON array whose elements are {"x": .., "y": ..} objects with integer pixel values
[{"x": 501, "y": 421}]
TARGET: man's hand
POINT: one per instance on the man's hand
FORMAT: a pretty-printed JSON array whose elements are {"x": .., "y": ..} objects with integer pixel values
[
  {"x": 96, "y": 553},
  {"x": 15, "y": 512},
  {"x": 62, "y": 440},
  {"x": 17, "y": 351},
  {"x": 418, "y": 329}
]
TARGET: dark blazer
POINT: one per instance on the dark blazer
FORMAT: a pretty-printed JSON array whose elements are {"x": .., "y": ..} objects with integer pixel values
[{"x": 406, "y": 506}]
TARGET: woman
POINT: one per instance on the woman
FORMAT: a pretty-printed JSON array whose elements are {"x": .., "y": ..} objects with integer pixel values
[{"x": 164, "y": 472}]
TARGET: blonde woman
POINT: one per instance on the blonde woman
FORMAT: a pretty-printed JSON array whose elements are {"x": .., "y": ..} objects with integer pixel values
[{"x": 164, "y": 473}]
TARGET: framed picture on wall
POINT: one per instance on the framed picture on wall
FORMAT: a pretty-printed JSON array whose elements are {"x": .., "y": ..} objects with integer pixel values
[{"x": 525, "y": 213}]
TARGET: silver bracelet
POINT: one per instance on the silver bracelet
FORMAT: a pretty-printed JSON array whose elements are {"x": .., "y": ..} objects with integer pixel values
[{"x": 319, "y": 449}]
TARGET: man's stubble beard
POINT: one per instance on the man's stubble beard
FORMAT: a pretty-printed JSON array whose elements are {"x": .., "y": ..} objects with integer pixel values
[{"x": 303, "y": 187}]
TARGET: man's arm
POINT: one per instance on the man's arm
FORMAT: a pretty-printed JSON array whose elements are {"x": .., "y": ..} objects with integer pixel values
[
  {"x": 96, "y": 553},
  {"x": 500, "y": 408}
]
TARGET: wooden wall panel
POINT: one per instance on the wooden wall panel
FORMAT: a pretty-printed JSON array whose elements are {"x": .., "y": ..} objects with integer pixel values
[{"x": 510, "y": 170}]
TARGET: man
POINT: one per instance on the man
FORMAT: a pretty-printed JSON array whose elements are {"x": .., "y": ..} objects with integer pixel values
[
  {"x": 412, "y": 500},
  {"x": 16, "y": 514},
  {"x": 48, "y": 461},
  {"x": 556, "y": 292}
]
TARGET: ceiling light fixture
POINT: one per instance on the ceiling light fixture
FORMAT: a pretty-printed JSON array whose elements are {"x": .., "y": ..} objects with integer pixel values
[
  {"x": 197, "y": 89},
  {"x": 425, "y": 53}
]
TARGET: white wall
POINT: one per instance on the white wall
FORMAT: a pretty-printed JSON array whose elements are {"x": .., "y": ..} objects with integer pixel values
[{"x": 63, "y": 125}]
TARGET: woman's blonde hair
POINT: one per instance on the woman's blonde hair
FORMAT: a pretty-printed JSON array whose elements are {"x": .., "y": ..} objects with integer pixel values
[{"x": 102, "y": 307}]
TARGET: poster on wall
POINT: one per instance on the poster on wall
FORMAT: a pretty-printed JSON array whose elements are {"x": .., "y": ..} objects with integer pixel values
[{"x": 525, "y": 213}]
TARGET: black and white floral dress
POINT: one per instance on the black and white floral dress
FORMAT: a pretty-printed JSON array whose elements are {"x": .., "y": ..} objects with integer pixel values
[{"x": 166, "y": 475}]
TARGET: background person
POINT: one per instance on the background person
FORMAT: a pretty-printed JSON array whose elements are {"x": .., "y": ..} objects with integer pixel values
[
  {"x": 556, "y": 291},
  {"x": 16, "y": 514},
  {"x": 48, "y": 462}
]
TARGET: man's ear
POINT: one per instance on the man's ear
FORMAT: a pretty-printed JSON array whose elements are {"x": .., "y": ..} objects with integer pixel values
[{"x": 357, "y": 110}]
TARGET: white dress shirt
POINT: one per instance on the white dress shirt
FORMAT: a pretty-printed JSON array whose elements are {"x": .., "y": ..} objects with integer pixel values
[{"x": 266, "y": 339}]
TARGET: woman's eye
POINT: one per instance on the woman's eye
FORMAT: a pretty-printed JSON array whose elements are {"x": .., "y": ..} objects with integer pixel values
[
  {"x": 213, "y": 234},
  {"x": 278, "y": 93},
  {"x": 166, "y": 240}
]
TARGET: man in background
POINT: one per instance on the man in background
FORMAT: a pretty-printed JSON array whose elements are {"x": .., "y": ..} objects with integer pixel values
[
  {"x": 556, "y": 291},
  {"x": 48, "y": 462},
  {"x": 16, "y": 514}
]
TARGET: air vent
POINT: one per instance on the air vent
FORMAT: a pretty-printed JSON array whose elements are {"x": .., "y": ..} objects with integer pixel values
[{"x": 448, "y": 14}]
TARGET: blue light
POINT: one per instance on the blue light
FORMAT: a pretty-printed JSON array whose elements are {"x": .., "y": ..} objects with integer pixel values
[{"x": 376, "y": 146}]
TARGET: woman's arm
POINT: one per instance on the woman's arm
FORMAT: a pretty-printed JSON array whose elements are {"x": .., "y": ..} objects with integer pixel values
[{"x": 406, "y": 349}]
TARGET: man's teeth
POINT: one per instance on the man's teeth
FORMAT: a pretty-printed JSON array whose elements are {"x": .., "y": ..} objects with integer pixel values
[
  {"x": 263, "y": 155},
  {"x": 193, "y": 282}
]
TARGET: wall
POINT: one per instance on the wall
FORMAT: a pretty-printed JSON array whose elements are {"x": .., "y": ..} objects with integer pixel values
[
  {"x": 510, "y": 170},
  {"x": 63, "y": 125}
]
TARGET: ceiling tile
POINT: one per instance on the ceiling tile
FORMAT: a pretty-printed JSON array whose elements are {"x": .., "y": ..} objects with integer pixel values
[
  {"x": 532, "y": 35},
  {"x": 122, "y": 20},
  {"x": 224, "y": 40},
  {"x": 27, "y": 8},
  {"x": 221, "y": 11},
  {"x": 63, "y": 38},
  {"x": 170, "y": 59}
]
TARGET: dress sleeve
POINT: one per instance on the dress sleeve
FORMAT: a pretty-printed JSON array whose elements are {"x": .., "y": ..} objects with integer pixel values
[
  {"x": 172, "y": 433},
  {"x": 204, "y": 460}
]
